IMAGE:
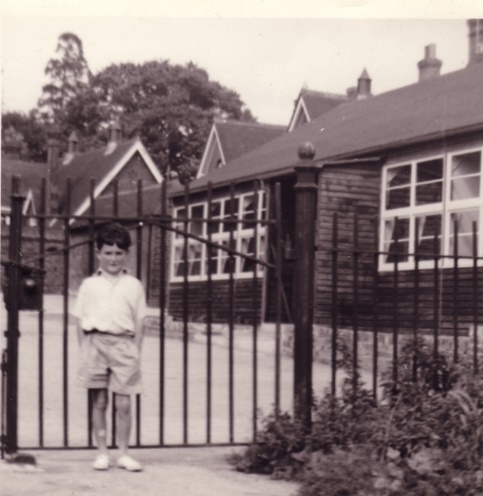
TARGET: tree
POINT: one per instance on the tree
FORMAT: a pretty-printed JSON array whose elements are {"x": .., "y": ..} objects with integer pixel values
[
  {"x": 69, "y": 76},
  {"x": 25, "y": 134},
  {"x": 171, "y": 107}
]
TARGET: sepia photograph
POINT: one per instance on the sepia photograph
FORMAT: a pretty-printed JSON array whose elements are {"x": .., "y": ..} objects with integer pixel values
[{"x": 240, "y": 249}]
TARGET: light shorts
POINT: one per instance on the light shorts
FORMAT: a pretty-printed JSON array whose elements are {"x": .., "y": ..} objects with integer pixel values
[{"x": 110, "y": 361}]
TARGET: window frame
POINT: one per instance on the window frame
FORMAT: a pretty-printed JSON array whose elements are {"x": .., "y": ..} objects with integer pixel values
[
  {"x": 445, "y": 208},
  {"x": 222, "y": 236}
]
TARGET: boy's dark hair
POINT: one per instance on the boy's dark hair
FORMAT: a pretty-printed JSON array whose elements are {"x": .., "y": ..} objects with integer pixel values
[{"x": 113, "y": 234}]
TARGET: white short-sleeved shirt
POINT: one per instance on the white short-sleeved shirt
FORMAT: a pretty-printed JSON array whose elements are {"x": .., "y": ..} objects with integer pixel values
[{"x": 110, "y": 305}]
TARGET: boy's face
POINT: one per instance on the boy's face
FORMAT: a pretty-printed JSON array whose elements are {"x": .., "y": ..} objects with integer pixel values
[{"x": 111, "y": 259}]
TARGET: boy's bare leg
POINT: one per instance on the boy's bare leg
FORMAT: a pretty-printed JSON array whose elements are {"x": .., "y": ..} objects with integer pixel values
[
  {"x": 99, "y": 423},
  {"x": 123, "y": 408}
]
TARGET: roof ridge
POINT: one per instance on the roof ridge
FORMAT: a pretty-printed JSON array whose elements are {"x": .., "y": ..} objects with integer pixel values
[
  {"x": 246, "y": 123},
  {"x": 324, "y": 94},
  {"x": 419, "y": 83}
]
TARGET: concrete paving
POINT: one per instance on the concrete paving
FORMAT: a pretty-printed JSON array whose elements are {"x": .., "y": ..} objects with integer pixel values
[
  {"x": 167, "y": 471},
  {"x": 175, "y": 471}
]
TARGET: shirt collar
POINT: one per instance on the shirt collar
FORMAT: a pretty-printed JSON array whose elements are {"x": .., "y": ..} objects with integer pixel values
[{"x": 100, "y": 272}]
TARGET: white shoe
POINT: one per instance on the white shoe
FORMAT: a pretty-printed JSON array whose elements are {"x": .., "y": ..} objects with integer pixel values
[
  {"x": 128, "y": 463},
  {"x": 101, "y": 462}
]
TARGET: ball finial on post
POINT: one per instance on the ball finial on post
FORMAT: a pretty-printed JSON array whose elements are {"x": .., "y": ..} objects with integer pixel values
[{"x": 306, "y": 151}]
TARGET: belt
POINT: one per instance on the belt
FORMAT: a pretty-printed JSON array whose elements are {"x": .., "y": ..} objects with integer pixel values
[{"x": 121, "y": 335}]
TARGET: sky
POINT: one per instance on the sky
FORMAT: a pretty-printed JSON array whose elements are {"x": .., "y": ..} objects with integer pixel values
[{"x": 266, "y": 56}]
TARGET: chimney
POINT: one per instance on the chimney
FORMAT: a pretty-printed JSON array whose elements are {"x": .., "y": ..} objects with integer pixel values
[
  {"x": 352, "y": 93},
  {"x": 475, "y": 37},
  {"x": 430, "y": 66},
  {"x": 114, "y": 137},
  {"x": 363, "y": 86},
  {"x": 53, "y": 166},
  {"x": 71, "y": 148}
]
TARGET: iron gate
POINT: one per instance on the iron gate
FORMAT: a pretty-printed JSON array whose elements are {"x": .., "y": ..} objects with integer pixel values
[{"x": 204, "y": 387}]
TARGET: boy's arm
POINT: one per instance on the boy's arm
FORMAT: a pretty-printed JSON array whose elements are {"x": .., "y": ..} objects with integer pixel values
[
  {"x": 140, "y": 314},
  {"x": 139, "y": 333}
]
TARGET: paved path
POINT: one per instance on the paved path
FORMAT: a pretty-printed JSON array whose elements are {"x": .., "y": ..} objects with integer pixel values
[{"x": 168, "y": 471}]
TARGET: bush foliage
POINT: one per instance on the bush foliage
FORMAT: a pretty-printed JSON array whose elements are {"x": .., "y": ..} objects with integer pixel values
[{"x": 423, "y": 438}]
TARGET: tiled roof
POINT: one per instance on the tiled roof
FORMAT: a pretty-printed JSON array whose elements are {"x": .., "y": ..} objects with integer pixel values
[
  {"x": 30, "y": 173},
  {"x": 434, "y": 108},
  {"x": 317, "y": 102},
  {"x": 238, "y": 138},
  {"x": 93, "y": 164},
  {"x": 128, "y": 202}
]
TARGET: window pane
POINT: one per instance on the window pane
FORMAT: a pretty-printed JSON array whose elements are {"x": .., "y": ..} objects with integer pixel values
[
  {"x": 178, "y": 261},
  {"x": 180, "y": 213},
  {"x": 431, "y": 170},
  {"x": 214, "y": 227},
  {"x": 396, "y": 240},
  {"x": 429, "y": 186},
  {"x": 248, "y": 211},
  {"x": 228, "y": 260},
  {"x": 231, "y": 212},
  {"x": 467, "y": 163},
  {"x": 247, "y": 247},
  {"x": 468, "y": 187},
  {"x": 397, "y": 198},
  {"x": 429, "y": 227},
  {"x": 429, "y": 193},
  {"x": 398, "y": 176},
  {"x": 196, "y": 227},
  {"x": 194, "y": 258},
  {"x": 464, "y": 223}
]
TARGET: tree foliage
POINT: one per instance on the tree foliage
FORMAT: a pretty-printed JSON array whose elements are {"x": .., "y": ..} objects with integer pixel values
[
  {"x": 25, "y": 134},
  {"x": 69, "y": 75},
  {"x": 170, "y": 107}
]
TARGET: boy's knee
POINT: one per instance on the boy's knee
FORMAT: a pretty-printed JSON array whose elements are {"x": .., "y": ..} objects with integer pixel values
[
  {"x": 100, "y": 401},
  {"x": 123, "y": 404}
]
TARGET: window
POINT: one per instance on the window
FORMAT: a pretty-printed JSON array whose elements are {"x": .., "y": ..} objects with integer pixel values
[
  {"x": 230, "y": 224},
  {"x": 424, "y": 203}
]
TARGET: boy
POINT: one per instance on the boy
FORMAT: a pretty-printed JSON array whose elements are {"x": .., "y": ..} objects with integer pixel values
[{"x": 110, "y": 310}]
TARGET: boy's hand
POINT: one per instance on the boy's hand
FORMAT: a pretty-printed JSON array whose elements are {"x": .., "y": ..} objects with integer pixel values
[{"x": 80, "y": 333}]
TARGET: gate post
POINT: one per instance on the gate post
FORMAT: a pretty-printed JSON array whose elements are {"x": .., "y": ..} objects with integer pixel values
[
  {"x": 305, "y": 216},
  {"x": 12, "y": 333}
]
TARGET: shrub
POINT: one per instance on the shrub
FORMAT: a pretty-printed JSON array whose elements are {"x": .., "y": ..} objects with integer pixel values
[{"x": 424, "y": 438}]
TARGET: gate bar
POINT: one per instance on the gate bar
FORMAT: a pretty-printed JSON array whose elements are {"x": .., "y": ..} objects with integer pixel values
[
  {"x": 11, "y": 437},
  {"x": 375, "y": 323},
  {"x": 455, "y": 292},
  {"x": 162, "y": 307},
  {"x": 395, "y": 308},
  {"x": 91, "y": 262},
  {"x": 355, "y": 334},
  {"x": 139, "y": 254},
  {"x": 475, "y": 298},
  {"x": 209, "y": 313},
  {"x": 256, "y": 199},
  {"x": 66, "y": 314},
  {"x": 278, "y": 294},
  {"x": 335, "y": 272},
  {"x": 185, "y": 315},
  {"x": 43, "y": 209},
  {"x": 231, "y": 318}
]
